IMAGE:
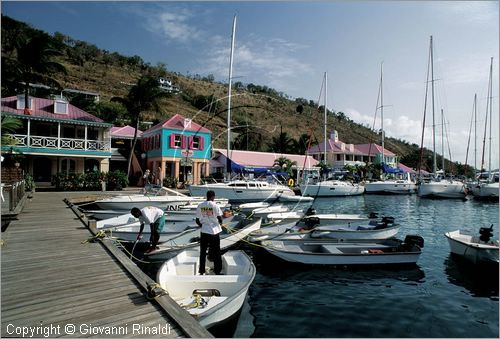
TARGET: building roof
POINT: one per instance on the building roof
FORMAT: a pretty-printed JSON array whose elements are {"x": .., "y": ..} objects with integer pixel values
[
  {"x": 124, "y": 132},
  {"x": 177, "y": 123},
  {"x": 332, "y": 146},
  {"x": 43, "y": 109},
  {"x": 373, "y": 149},
  {"x": 264, "y": 159}
]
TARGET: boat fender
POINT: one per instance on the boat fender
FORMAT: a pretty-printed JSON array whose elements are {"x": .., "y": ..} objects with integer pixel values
[{"x": 291, "y": 182}]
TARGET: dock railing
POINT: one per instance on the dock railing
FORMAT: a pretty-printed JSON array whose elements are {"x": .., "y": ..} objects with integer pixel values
[{"x": 12, "y": 194}]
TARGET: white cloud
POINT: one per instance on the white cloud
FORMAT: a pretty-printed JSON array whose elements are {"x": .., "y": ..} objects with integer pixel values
[
  {"x": 174, "y": 26},
  {"x": 271, "y": 60}
]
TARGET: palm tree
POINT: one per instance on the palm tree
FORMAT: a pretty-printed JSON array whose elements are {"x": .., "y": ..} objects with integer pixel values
[
  {"x": 143, "y": 96},
  {"x": 285, "y": 164},
  {"x": 9, "y": 126},
  {"x": 283, "y": 144},
  {"x": 32, "y": 63},
  {"x": 303, "y": 143}
]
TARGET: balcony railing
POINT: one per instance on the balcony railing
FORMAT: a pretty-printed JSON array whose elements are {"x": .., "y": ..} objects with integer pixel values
[{"x": 61, "y": 143}]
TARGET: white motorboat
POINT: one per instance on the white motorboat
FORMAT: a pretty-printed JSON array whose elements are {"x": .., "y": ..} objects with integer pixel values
[
  {"x": 235, "y": 231},
  {"x": 310, "y": 228},
  {"x": 486, "y": 191},
  {"x": 444, "y": 188},
  {"x": 166, "y": 199},
  {"x": 210, "y": 298},
  {"x": 180, "y": 215},
  {"x": 332, "y": 218},
  {"x": 336, "y": 252},
  {"x": 332, "y": 188},
  {"x": 476, "y": 249},
  {"x": 396, "y": 186},
  {"x": 244, "y": 190}
]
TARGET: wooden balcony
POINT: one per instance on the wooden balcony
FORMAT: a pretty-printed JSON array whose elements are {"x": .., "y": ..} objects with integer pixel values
[{"x": 34, "y": 142}]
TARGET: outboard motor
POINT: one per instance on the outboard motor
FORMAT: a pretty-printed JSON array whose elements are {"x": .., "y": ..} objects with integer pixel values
[
  {"x": 310, "y": 211},
  {"x": 414, "y": 240},
  {"x": 373, "y": 215},
  {"x": 311, "y": 222},
  {"x": 388, "y": 220},
  {"x": 486, "y": 233}
]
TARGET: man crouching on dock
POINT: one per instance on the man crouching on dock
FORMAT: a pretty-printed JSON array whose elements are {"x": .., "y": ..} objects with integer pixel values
[{"x": 155, "y": 218}]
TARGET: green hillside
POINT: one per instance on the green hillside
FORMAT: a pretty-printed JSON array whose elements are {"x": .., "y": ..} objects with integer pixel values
[{"x": 262, "y": 112}]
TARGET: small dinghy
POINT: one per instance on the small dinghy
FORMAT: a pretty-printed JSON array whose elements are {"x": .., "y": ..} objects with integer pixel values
[
  {"x": 476, "y": 249},
  {"x": 210, "y": 298},
  {"x": 337, "y": 252},
  {"x": 345, "y": 226},
  {"x": 234, "y": 232}
]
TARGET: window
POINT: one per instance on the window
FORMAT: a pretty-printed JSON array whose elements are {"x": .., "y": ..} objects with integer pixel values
[
  {"x": 21, "y": 102},
  {"x": 68, "y": 166},
  {"x": 196, "y": 143},
  {"x": 177, "y": 140},
  {"x": 60, "y": 107}
]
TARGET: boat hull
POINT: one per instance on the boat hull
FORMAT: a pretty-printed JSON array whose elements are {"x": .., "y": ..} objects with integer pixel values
[
  {"x": 390, "y": 187},
  {"x": 467, "y": 247},
  {"x": 486, "y": 191},
  {"x": 442, "y": 189},
  {"x": 236, "y": 194},
  {"x": 342, "y": 253},
  {"x": 332, "y": 188},
  {"x": 179, "y": 277}
]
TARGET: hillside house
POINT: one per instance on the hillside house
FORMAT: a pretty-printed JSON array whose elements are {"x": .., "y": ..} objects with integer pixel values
[
  {"x": 340, "y": 154},
  {"x": 178, "y": 148},
  {"x": 56, "y": 137}
]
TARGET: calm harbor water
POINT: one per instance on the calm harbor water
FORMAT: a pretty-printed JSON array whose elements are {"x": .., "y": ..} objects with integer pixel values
[{"x": 440, "y": 297}]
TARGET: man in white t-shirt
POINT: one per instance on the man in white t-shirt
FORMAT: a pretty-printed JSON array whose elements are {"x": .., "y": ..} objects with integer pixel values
[
  {"x": 155, "y": 218},
  {"x": 209, "y": 218}
]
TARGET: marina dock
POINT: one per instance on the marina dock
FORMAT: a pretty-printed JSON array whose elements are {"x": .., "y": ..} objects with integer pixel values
[{"x": 53, "y": 285}]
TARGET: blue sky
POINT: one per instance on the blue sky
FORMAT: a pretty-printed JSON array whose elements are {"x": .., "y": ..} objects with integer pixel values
[{"x": 289, "y": 45}]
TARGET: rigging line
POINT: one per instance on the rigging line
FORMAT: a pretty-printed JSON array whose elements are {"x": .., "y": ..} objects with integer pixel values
[
  {"x": 470, "y": 132},
  {"x": 375, "y": 117},
  {"x": 419, "y": 166},
  {"x": 448, "y": 144},
  {"x": 486, "y": 119}
]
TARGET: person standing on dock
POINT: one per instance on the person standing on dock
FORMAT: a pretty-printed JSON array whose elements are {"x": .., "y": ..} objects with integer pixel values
[
  {"x": 155, "y": 218},
  {"x": 209, "y": 218}
]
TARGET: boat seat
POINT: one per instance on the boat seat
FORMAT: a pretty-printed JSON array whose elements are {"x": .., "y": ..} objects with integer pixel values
[
  {"x": 330, "y": 249},
  {"x": 186, "y": 269}
]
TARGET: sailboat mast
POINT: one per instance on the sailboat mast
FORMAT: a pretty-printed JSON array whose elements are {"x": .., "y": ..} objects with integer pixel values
[
  {"x": 488, "y": 109},
  {"x": 382, "y": 111},
  {"x": 491, "y": 117},
  {"x": 325, "y": 122},
  {"x": 228, "y": 161},
  {"x": 475, "y": 133},
  {"x": 433, "y": 114},
  {"x": 442, "y": 140}
]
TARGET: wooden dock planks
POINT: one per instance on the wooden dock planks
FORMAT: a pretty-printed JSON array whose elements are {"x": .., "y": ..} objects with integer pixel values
[{"x": 49, "y": 278}]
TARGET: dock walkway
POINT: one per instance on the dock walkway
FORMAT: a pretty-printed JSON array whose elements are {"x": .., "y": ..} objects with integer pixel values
[{"x": 53, "y": 284}]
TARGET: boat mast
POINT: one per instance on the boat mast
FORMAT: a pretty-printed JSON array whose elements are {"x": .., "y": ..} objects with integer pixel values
[
  {"x": 433, "y": 115},
  {"x": 442, "y": 140},
  {"x": 382, "y": 111},
  {"x": 228, "y": 161},
  {"x": 325, "y": 122},
  {"x": 491, "y": 117},
  {"x": 475, "y": 133},
  {"x": 488, "y": 110}
]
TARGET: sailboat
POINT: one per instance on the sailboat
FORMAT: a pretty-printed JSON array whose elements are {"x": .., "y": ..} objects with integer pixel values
[
  {"x": 401, "y": 185},
  {"x": 241, "y": 191},
  {"x": 330, "y": 187},
  {"x": 488, "y": 190},
  {"x": 439, "y": 186}
]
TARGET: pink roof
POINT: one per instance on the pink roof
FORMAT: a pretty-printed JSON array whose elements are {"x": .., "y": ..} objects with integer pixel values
[
  {"x": 177, "y": 122},
  {"x": 375, "y": 149},
  {"x": 44, "y": 108},
  {"x": 263, "y": 159},
  {"x": 125, "y": 132},
  {"x": 335, "y": 146}
]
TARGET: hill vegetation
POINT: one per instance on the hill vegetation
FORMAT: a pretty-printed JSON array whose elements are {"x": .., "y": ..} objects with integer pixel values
[{"x": 263, "y": 119}]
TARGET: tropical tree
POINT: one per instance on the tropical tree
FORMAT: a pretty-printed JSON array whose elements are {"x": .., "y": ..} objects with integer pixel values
[
  {"x": 285, "y": 165},
  {"x": 283, "y": 144},
  {"x": 9, "y": 127},
  {"x": 143, "y": 96},
  {"x": 33, "y": 62}
]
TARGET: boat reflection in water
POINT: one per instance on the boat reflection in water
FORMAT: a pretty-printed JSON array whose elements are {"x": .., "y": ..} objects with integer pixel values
[{"x": 481, "y": 280}]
